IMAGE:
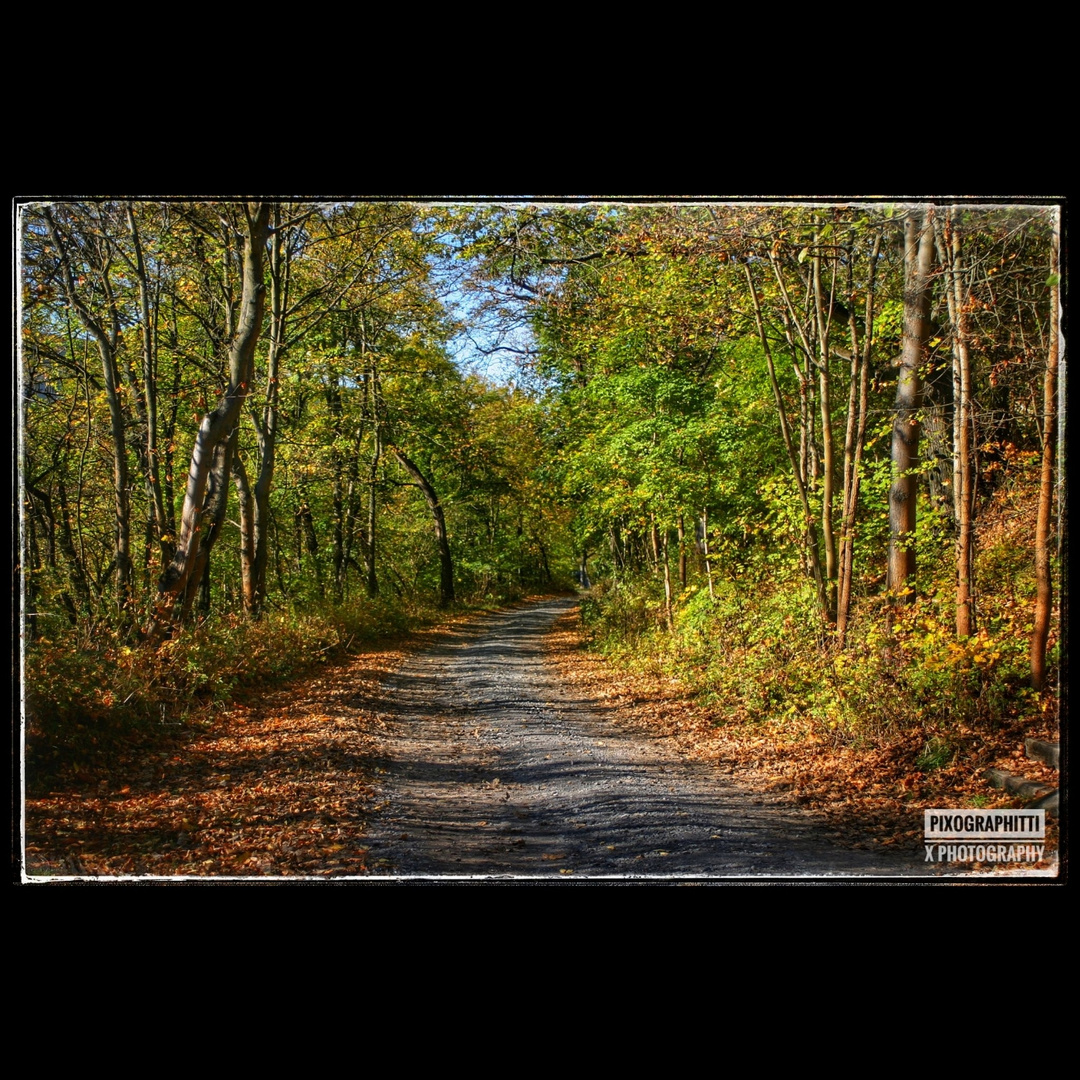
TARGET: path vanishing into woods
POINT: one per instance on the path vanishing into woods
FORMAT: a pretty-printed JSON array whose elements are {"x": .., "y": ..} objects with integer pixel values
[{"x": 494, "y": 767}]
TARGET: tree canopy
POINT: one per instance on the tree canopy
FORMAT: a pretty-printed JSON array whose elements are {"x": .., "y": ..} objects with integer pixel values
[{"x": 253, "y": 407}]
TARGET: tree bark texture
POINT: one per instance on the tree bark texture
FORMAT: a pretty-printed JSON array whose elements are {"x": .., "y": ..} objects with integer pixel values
[
  {"x": 918, "y": 252},
  {"x": 217, "y": 426}
]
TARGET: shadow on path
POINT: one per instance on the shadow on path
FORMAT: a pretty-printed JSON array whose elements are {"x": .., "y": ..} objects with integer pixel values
[{"x": 494, "y": 768}]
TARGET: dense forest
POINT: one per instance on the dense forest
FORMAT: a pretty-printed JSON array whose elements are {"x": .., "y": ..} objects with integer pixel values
[{"x": 806, "y": 455}]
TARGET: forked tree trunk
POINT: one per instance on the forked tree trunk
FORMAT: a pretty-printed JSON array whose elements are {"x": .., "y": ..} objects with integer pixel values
[
  {"x": 446, "y": 565},
  {"x": 855, "y": 442},
  {"x": 217, "y": 429},
  {"x": 213, "y": 521}
]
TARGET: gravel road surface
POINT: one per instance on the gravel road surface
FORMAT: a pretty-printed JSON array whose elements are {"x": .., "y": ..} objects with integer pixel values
[{"x": 494, "y": 768}]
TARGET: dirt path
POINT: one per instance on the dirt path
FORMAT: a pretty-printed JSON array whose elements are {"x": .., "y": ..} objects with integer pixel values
[{"x": 496, "y": 768}]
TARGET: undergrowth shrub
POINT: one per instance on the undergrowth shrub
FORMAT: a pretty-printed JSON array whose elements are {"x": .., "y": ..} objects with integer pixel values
[
  {"x": 620, "y": 616},
  {"x": 84, "y": 691},
  {"x": 761, "y": 655}
]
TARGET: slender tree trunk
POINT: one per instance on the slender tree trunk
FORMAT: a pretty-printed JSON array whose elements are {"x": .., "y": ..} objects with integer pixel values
[
  {"x": 373, "y": 505},
  {"x": 1044, "y": 596},
  {"x": 149, "y": 406},
  {"x": 76, "y": 567},
  {"x": 352, "y": 509},
  {"x": 705, "y": 550},
  {"x": 669, "y": 612},
  {"x": 811, "y": 545},
  {"x": 246, "y": 509},
  {"x": 682, "y": 552},
  {"x": 958, "y": 294},
  {"x": 855, "y": 442},
  {"x": 108, "y": 341},
  {"x": 918, "y": 257},
  {"x": 544, "y": 566},
  {"x": 29, "y": 565},
  {"x": 338, "y": 490},
  {"x": 823, "y": 314},
  {"x": 446, "y": 565},
  {"x": 253, "y": 569},
  {"x": 305, "y": 521},
  {"x": 654, "y": 538}
]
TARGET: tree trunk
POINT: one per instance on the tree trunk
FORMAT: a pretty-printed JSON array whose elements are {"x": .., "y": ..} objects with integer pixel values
[
  {"x": 654, "y": 539},
  {"x": 682, "y": 552},
  {"x": 76, "y": 565},
  {"x": 918, "y": 252},
  {"x": 855, "y": 441},
  {"x": 108, "y": 341},
  {"x": 372, "y": 577},
  {"x": 446, "y": 565},
  {"x": 305, "y": 524},
  {"x": 958, "y": 293},
  {"x": 810, "y": 551},
  {"x": 705, "y": 552},
  {"x": 217, "y": 426},
  {"x": 148, "y": 407},
  {"x": 267, "y": 427},
  {"x": 823, "y": 315},
  {"x": 1044, "y": 596},
  {"x": 246, "y": 508},
  {"x": 669, "y": 612},
  {"x": 212, "y": 522}
]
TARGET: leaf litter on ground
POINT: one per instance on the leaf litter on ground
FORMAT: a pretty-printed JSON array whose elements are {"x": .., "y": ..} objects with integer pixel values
[
  {"x": 868, "y": 795},
  {"x": 281, "y": 784}
]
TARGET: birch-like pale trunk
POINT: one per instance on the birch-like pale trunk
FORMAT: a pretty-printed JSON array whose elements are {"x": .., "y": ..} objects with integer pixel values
[{"x": 217, "y": 426}]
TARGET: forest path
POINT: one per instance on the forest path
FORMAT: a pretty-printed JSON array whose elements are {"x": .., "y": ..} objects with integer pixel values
[{"x": 494, "y": 767}]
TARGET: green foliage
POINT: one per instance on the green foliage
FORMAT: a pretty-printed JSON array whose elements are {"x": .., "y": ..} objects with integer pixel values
[
  {"x": 623, "y": 617},
  {"x": 889, "y": 323},
  {"x": 754, "y": 654},
  {"x": 654, "y": 408}
]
